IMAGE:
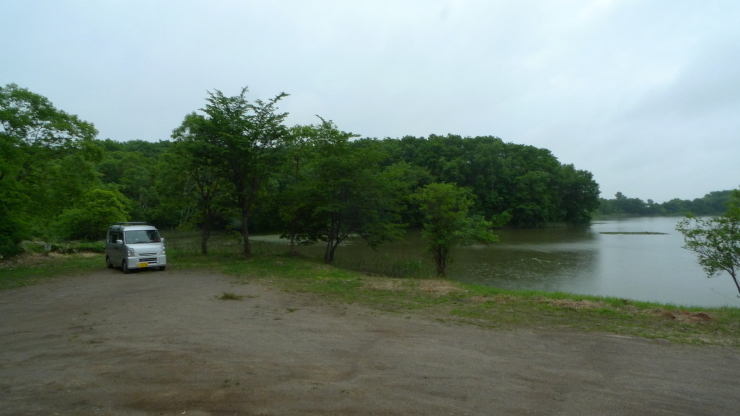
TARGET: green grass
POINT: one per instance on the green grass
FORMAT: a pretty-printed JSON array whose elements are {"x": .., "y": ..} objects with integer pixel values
[
  {"x": 63, "y": 248},
  {"x": 440, "y": 299},
  {"x": 31, "y": 269}
]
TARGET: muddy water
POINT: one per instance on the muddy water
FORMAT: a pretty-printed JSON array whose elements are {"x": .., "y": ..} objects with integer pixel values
[{"x": 578, "y": 260}]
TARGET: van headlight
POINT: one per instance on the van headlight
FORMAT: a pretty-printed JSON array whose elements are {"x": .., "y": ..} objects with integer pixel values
[
  {"x": 163, "y": 252},
  {"x": 131, "y": 252}
]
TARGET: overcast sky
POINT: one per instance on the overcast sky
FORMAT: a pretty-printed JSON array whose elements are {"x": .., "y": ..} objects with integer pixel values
[{"x": 644, "y": 94}]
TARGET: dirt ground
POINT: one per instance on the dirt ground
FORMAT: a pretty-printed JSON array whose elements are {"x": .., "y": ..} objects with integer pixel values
[{"x": 161, "y": 343}]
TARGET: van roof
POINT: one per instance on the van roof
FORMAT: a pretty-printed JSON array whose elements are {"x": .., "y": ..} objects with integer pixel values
[{"x": 132, "y": 226}]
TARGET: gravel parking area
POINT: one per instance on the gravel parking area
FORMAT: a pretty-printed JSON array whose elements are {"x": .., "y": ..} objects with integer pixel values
[{"x": 162, "y": 343}]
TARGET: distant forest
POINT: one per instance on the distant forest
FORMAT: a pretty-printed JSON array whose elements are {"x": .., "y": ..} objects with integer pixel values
[
  {"x": 527, "y": 182},
  {"x": 713, "y": 203},
  {"x": 235, "y": 165}
]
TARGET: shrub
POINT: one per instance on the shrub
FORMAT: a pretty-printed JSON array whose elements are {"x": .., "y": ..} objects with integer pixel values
[{"x": 91, "y": 217}]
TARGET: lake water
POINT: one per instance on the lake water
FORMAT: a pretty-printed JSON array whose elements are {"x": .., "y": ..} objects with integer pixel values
[{"x": 577, "y": 260}]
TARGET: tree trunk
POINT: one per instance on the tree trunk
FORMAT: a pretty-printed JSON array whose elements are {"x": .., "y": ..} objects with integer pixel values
[
  {"x": 205, "y": 234},
  {"x": 331, "y": 242},
  {"x": 329, "y": 252},
  {"x": 245, "y": 235},
  {"x": 734, "y": 277},
  {"x": 291, "y": 250},
  {"x": 440, "y": 260}
]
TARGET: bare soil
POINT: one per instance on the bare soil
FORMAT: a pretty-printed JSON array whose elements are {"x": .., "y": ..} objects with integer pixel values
[{"x": 162, "y": 343}]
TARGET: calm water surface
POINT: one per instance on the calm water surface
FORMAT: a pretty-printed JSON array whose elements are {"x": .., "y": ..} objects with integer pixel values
[{"x": 576, "y": 260}]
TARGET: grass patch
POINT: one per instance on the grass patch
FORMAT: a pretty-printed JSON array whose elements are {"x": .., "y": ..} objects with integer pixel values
[
  {"x": 485, "y": 306},
  {"x": 230, "y": 296},
  {"x": 443, "y": 300},
  {"x": 32, "y": 268}
]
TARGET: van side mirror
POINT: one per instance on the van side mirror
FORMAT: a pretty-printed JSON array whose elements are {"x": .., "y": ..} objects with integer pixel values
[
  {"x": 162, "y": 240},
  {"x": 119, "y": 241}
]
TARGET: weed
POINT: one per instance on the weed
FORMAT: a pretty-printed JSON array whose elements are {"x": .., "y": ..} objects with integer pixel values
[{"x": 230, "y": 296}]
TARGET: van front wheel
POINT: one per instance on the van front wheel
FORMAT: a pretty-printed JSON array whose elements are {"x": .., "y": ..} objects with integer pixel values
[
  {"x": 108, "y": 263},
  {"x": 124, "y": 267}
]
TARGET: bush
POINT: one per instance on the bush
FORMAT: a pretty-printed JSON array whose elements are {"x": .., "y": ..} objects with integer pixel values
[
  {"x": 88, "y": 221},
  {"x": 11, "y": 234},
  {"x": 63, "y": 248}
]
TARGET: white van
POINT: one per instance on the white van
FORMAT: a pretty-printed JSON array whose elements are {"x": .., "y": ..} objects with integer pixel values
[{"x": 134, "y": 245}]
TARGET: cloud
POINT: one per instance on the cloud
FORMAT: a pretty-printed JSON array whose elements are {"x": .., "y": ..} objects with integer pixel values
[{"x": 620, "y": 88}]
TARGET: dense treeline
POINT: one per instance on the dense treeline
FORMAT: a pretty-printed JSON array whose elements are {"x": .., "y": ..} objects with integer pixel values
[
  {"x": 712, "y": 203},
  {"x": 526, "y": 182},
  {"x": 236, "y": 165}
]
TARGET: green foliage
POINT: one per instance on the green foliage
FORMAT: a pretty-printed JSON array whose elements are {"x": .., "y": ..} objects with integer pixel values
[
  {"x": 239, "y": 140},
  {"x": 190, "y": 188},
  {"x": 63, "y": 248},
  {"x": 448, "y": 223},
  {"x": 46, "y": 162},
  {"x": 234, "y": 165},
  {"x": 528, "y": 183},
  {"x": 12, "y": 232},
  {"x": 716, "y": 241},
  {"x": 712, "y": 203},
  {"x": 339, "y": 190},
  {"x": 89, "y": 220}
]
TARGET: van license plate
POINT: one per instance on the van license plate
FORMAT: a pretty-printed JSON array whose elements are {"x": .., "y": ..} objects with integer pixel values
[{"x": 143, "y": 265}]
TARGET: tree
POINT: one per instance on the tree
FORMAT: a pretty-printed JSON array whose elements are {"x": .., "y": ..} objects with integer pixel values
[
  {"x": 239, "y": 139},
  {"x": 525, "y": 181},
  {"x": 579, "y": 195},
  {"x": 348, "y": 192},
  {"x": 715, "y": 241},
  {"x": 190, "y": 188},
  {"x": 448, "y": 223},
  {"x": 97, "y": 210},
  {"x": 36, "y": 141},
  {"x": 293, "y": 197}
]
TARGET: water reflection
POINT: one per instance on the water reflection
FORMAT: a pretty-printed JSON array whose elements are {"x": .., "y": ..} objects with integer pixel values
[
  {"x": 545, "y": 259},
  {"x": 578, "y": 260}
]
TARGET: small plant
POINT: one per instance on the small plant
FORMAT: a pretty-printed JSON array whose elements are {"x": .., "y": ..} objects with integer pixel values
[
  {"x": 230, "y": 296},
  {"x": 715, "y": 241}
]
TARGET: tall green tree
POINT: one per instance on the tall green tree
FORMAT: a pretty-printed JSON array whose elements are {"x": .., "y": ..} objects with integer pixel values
[
  {"x": 578, "y": 195},
  {"x": 35, "y": 137},
  {"x": 448, "y": 222},
  {"x": 293, "y": 198},
  {"x": 349, "y": 192},
  {"x": 716, "y": 241},
  {"x": 240, "y": 140},
  {"x": 191, "y": 187}
]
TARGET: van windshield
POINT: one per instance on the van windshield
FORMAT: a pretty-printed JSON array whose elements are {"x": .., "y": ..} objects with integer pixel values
[{"x": 141, "y": 236}]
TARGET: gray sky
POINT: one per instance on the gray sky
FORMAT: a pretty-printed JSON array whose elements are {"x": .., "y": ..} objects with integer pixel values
[{"x": 644, "y": 94}]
